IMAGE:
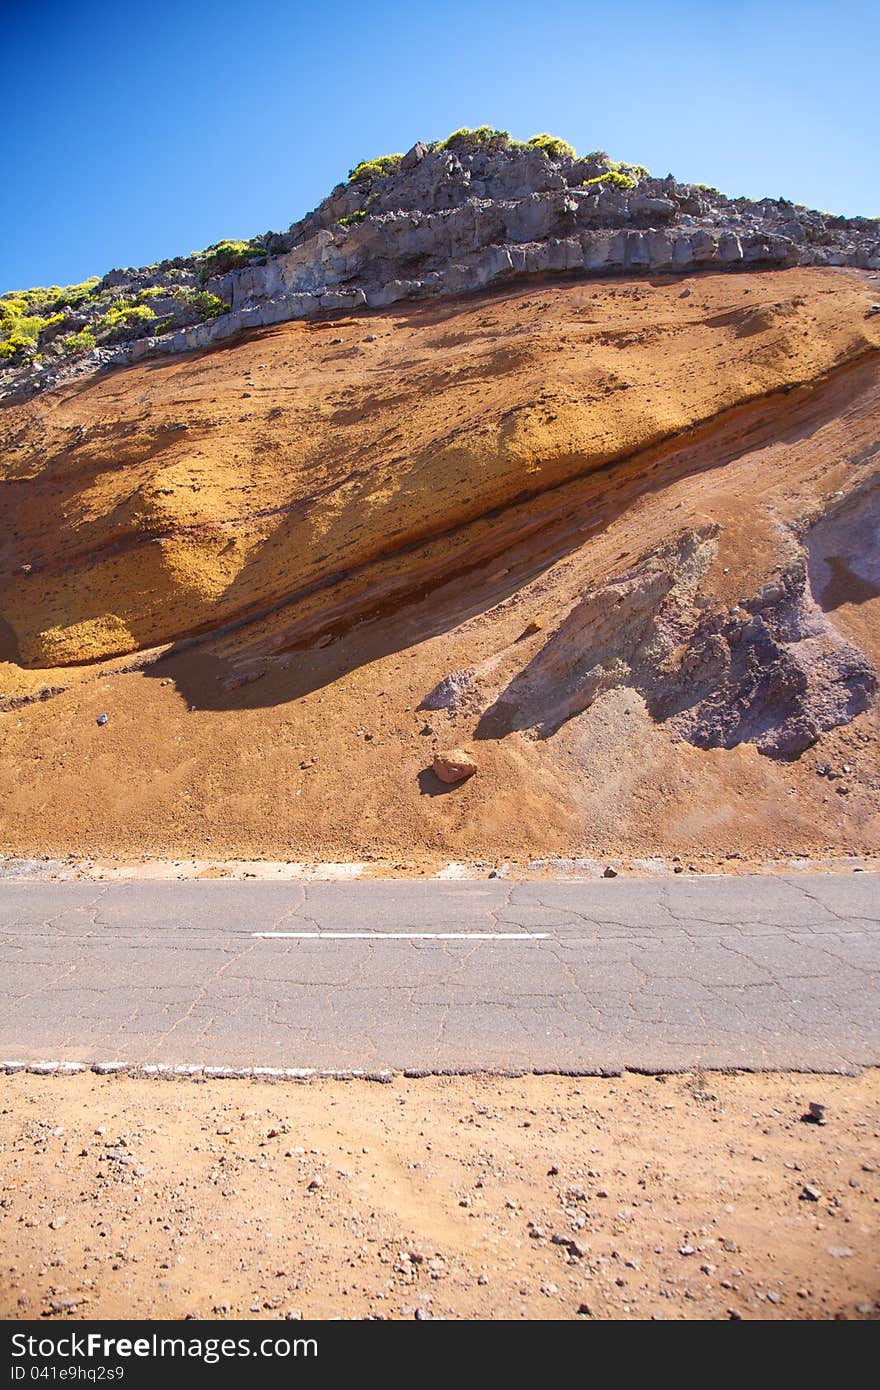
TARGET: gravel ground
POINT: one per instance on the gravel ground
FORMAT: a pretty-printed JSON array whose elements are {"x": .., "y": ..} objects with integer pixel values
[{"x": 698, "y": 1196}]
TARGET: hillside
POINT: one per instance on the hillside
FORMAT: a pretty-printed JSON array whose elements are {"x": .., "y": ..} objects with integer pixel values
[{"x": 627, "y": 524}]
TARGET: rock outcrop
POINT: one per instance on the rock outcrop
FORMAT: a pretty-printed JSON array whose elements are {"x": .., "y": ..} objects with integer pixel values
[
  {"x": 772, "y": 671},
  {"x": 455, "y": 219}
]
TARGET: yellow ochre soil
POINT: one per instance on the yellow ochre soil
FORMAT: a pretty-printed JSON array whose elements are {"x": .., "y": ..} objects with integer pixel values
[
  {"x": 684, "y": 1196},
  {"x": 257, "y": 562}
]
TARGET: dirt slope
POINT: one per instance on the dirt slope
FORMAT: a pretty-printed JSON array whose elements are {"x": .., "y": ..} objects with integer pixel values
[{"x": 640, "y": 517}]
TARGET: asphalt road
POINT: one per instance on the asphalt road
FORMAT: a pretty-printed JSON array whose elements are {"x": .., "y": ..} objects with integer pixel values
[{"x": 755, "y": 972}]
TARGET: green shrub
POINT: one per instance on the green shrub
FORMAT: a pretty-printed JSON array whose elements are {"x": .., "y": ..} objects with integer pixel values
[
  {"x": 205, "y": 304},
  {"x": 352, "y": 218},
  {"x": 78, "y": 343},
  {"x": 553, "y": 147},
  {"x": 227, "y": 255},
  {"x": 480, "y": 135},
  {"x": 613, "y": 179},
  {"x": 377, "y": 168},
  {"x": 20, "y": 330},
  {"x": 61, "y": 296},
  {"x": 598, "y": 157},
  {"x": 49, "y": 300},
  {"x": 122, "y": 316}
]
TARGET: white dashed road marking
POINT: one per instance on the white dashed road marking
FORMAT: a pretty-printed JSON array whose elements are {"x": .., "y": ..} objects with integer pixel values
[{"x": 402, "y": 935}]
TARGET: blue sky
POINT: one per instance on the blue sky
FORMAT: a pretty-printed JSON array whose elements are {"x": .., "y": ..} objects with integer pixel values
[{"x": 135, "y": 132}]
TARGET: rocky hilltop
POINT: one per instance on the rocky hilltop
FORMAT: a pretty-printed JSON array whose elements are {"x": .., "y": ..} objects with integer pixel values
[{"x": 444, "y": 219}]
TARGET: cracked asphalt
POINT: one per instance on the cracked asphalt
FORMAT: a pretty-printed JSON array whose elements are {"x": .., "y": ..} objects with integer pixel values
[{"x": 741, "y": 972}]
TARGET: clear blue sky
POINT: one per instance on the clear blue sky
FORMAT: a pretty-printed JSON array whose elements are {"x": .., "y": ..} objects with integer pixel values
[{"x": 135, "y": 132}]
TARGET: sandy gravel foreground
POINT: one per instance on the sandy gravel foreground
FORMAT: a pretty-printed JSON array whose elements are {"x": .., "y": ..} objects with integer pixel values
[{"x": 700, "y": 1196}]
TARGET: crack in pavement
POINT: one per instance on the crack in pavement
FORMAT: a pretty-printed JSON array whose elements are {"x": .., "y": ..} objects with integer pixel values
[{"x": 631, "y": 971}]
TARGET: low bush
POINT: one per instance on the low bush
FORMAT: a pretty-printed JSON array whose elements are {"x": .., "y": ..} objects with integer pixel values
[
  {"x": 352, "y": 218},
  {"x": 19, "y": 329},
  {"x": 378, "y": 168},
  {"x": 121, "y": 317},
  {"x": 76, "y": 344},
  {"x": 613, "y": 179},
  {"x": 479, "y": 135},
  {"x": 553, "y": 147},
  {"x": 227, "y": 255},
  {"x": 205, "y": 304}
]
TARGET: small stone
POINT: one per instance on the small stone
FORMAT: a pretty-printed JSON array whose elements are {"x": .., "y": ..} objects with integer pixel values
[
  {"x": 610, "y": 871},
  {"x": 810, "y": 1194},
  {"x": 453, "y": 766},
  {"x": 686, "y": 1250},
  {"x": 837, "y": 1252},
  {"x": 316, "y": 1184},
  {"x": 102, "y": 719},
  {"x": 815, "y": 1114}
]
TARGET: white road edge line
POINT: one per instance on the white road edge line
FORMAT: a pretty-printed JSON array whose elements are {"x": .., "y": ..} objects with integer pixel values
[{"x": 401, "y": 935}]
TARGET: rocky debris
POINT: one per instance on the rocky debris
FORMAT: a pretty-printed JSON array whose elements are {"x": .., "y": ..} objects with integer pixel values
[
  {"x": 449, "y": 692},
  {"x": 443, "y": 221},
  {"x": 453, "y": 766},
  {"x": 773, "y": 671},
  {"x": 815, "y": 1114}
]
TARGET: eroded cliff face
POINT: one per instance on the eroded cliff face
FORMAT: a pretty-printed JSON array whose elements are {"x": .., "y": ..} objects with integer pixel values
[
  {"x": 299, "y": 468},
  {"x": 628, "y": 527}
]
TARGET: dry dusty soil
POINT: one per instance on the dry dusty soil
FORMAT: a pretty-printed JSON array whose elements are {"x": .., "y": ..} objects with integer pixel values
[{"x": 689, "y": 1196}]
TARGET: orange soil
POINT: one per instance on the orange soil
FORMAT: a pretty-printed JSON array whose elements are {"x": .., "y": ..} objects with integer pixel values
[
  {"x": 348, "y": 510},
  {"x": 451, "y": 1196}
]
